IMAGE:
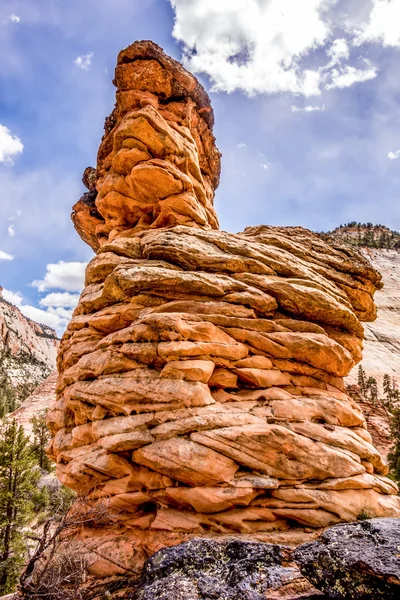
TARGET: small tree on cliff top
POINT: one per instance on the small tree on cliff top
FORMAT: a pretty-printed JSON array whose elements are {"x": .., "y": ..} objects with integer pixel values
[{"x": 18, "y": 477}]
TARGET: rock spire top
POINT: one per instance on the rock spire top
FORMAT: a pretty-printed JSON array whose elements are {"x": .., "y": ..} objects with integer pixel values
[{"x": 157, "y": 165}]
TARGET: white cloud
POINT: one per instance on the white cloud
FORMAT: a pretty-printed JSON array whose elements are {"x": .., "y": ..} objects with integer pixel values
[
  {"x": 13, "y": 297},
  {"x": 394, "y": 155},
  {"x": 67, "y": 276},
  {"x": 275, "y": 46},
  {"x": 60, "y": 300},
  {"x": 338, "y": 51},
  {"x": 57, "y": 318},
  {"x": 12, "y": 18},
  {"x": 348, "y": 75},
  {"x": 11, "y": 230},
  {"x": 61, "y": 313},
  {"x": 308, "y": 108},
  {"x": 5, "y": 256},
  {"x": 241, "y": 145},
  {"x": 256, "y": 48},
  {"x": 43, "y": 316},
  {"x": 9, "y": 145},
  {"x": 84, "y": 62},
  {"x": 264, "y": 166},
  {"x": 383, "y": 24}
]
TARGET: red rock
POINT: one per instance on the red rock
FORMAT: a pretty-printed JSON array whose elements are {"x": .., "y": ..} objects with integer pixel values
[{"x": 201, "y": 377}]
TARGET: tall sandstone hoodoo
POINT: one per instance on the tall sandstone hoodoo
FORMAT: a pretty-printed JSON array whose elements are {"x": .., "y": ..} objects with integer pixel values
[{"x": 200, "y": 386}]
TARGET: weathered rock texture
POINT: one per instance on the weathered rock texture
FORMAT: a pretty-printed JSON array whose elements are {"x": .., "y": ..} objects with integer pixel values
[
  {"x": 382, "y": 337},
  {"x": 357, "y": 560},
  {"x": 201, "y": 377},
  {"x": 27, "y": 354},
  {"x": 206, "y": 569}
]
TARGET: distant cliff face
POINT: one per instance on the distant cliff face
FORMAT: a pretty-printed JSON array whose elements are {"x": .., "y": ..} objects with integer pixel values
[
  {"x": 39, "y": 401},
  {"x": 27, "y": 355},
  {"x": 381, "y": 246},
  {"x": 382, "y": 337}
]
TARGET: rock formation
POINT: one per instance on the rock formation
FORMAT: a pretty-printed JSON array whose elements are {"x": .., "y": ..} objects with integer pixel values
[
  {"x": 200, "y": 384},
  {"x": 357, "y": 560},
  {"x": 27, "y": 354}
]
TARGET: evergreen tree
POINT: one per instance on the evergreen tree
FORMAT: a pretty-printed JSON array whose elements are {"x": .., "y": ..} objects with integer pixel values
[
  {"x": 7, "y": 394},
  {"x": 358, "y": 234},
  {"x": 41, "y": 438},
  {"x": 18, "y": 477},
  {"x": 394, "y": 455},
  {"x": 361, "y": 380},
  {"x": 372, "y": 386},
  {"x": 395, "y": 390},
  {"x": 387, "y": 388},
  {"x": 382, "y": 242}
]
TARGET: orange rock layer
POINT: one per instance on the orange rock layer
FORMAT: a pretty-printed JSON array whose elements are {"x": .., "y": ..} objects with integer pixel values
[{"x": 200, "y": 380}]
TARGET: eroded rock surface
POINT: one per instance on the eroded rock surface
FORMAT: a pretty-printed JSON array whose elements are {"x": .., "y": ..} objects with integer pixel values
[
  {"x": 200, "y": 385},
  {"x": 206, "y": 569},
  {"x": 357, "y": 560}
]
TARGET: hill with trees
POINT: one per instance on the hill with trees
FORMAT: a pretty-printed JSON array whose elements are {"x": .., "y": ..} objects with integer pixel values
[{"x": 365, "y": 235}]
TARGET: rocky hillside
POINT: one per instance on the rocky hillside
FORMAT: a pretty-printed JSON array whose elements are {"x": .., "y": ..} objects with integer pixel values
[
  {"x": 27, "y": 355},
  {"x": 366, "y": 235}
]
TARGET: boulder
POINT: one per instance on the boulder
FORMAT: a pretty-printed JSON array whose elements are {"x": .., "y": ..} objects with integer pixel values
[
  {"x": 207, "y": 569},
  {"x": 356, "y": 560}
]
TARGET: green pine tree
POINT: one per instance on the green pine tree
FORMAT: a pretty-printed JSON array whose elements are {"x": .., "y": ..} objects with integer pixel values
[
  {"x": 18, "y": 478},
  {"x": 387, "y": 388},
  {"x": 41, "y": 438},
  {"x": 394, "y": 455},
  {"x": 395, "y": 390},
  {"x": 361, "y": 380},
  {"x": 372, "y": 386},
  {"x": 7, "y": 393}
]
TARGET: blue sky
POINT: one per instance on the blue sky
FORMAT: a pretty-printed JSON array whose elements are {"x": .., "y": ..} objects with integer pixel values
[{"x": 306, "y": 97}]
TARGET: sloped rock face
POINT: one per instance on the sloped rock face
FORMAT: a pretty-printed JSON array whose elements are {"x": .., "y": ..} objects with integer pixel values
[
  {"x": 27, "y": 353},
  {"x": 37, "y": 402},
  {"x": 201, "y": 377},
  {"x": 382, "y": 339},
  {"x": 357, "y": 560}
]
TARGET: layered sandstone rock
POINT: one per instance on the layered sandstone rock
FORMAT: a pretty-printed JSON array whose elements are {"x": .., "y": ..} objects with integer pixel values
[{"x": 201, "y": 377}]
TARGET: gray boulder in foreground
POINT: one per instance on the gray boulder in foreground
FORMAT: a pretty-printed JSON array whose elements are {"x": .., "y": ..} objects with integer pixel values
[
  {"x": 355, "y": 560},
  {"x": 233, "y": 569}
]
